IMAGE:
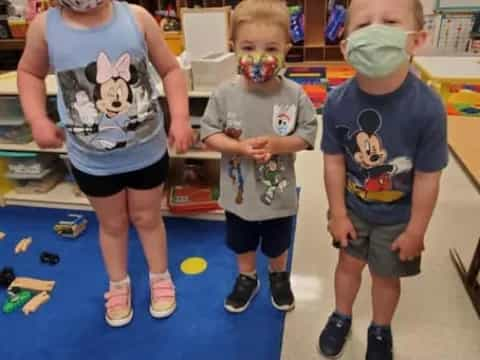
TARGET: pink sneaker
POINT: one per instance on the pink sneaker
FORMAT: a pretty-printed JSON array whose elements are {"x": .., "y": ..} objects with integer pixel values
[
  {"x": 162, "y": 298},
  {"x": 119, "y": 310}
]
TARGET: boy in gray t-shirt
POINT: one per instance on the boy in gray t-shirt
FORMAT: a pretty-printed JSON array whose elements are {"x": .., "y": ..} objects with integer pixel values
[{"x": 258, "y": 121}]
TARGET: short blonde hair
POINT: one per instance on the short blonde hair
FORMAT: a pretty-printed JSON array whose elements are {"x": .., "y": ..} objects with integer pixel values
[
  {"x": 417, "y": 12},
  {"x": 268, "y": 12}
]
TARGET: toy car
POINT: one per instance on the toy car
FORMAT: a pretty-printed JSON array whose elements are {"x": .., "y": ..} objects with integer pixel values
[{"x": 73, "y": 227}]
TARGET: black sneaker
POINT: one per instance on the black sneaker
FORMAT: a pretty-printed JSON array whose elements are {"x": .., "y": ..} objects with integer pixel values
[
  {"x": 334, "y": 336},
  {"x": 242, "y": 294},
  {"x": 380, "y": 344},
  {"x": 282, "y": 295}
]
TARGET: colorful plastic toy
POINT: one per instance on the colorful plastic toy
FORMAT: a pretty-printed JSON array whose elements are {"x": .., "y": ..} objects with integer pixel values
[
  {"x": 16, "y": 300},
  {"x": 73, "y": 227}
]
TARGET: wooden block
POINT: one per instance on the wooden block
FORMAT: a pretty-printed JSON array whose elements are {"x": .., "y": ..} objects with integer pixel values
[
  {"x": 2, "y": 235},
  {"x": 23, "y": 245},
  {"x": 19, "y": 247},
  {"x": 37, "y": 301},
  {"x": 26, "y": 243},
  {"x": 32, "y": 284}
]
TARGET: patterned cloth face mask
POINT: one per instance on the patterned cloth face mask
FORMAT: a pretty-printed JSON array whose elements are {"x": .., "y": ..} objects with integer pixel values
[
  {"x": 81, "y": 5},
  {"x": 259, "y": 67}
]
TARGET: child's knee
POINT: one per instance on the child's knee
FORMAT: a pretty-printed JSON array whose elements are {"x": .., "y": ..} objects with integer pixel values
[
  {"x": 145, "y": 220},
  {"x": 116, "y": 226},
  {"x": 350, "y": 265}
]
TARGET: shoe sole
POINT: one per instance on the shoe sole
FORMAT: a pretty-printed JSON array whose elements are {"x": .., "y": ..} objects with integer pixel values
[
  {"x": 120, "y": 322},
  {"x": 340, "y": 354},
  {"x": 245, "y": 307},
  {"x": 284, "y": 308},
  {"x": 163, "y": 314}
]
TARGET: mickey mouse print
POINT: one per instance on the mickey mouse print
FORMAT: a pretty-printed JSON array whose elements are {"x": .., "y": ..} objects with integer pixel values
[
  {"x": 111, "y": 102},
  {"x": 380, "y": 177}
]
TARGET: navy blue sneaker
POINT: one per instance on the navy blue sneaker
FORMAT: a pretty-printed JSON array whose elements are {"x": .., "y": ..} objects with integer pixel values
[
  {"x": 334, "y": 336},
  {"x": 380, "y": 343}
]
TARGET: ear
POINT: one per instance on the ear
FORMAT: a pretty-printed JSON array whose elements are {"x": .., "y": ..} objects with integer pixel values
[
  {"x": 91, "y": 72},
  {"x": 417, "y": 42},
  {"x": 133, "y": 75},
  {"x": 369, "y": 121},
  {"x": 231, "y": 45}
]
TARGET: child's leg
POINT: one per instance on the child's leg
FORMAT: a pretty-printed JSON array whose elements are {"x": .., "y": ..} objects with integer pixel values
[
  {"x": 144, "y": 208},
  {"x": 385, "y": 298},
  {"x": 112, "y": 216},
  {"x": 279, "y": 264},
  {"x": 247, "y": 262},
  {"x": 242, "y": 238},
  {"x": 348, "y": 278},
  {"x": 277, "y": 236}
]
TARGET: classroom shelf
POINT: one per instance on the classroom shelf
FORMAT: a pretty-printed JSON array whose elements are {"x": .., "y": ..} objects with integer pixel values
[
  {"x": 32, "y": 147},
  {"x": 12, "y": 44},
  {"x": 62, "y": 197},
  {"x": 8, "y": 87}
]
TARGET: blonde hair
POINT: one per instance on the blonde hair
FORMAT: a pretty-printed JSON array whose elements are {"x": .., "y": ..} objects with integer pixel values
[
  {"x": 268, "y": 12},
  {"x": 417, "y": 12}
]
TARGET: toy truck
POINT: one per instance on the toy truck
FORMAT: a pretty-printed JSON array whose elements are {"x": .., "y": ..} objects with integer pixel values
[{"x": 71, "y": 227}]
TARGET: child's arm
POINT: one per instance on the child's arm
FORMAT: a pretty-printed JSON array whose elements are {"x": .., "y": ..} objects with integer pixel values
[
  {"x": 212, "y": 131},
  {"x": 174, "y": 81},
  {"x": 339, "y": 224},
  {"x": 426, "y": 188},
  {"x": 252, "y": 148},
  {"x": 32, "y": 70},
  {"x": 430, "y": 159}
]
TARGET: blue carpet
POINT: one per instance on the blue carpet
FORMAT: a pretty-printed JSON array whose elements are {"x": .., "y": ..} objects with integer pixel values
[{"x": 71, "y": 325}]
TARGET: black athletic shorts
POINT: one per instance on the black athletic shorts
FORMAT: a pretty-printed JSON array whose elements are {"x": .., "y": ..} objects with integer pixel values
[
  {"x": 245, "y": 236},
  {"x": 104, "y": 186}
]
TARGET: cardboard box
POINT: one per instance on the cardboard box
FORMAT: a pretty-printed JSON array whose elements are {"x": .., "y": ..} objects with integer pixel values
[{"x": 208, "y": 72}]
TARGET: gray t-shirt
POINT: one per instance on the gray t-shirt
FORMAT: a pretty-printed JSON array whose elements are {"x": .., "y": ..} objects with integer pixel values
[{"x": 253, "y": 191}]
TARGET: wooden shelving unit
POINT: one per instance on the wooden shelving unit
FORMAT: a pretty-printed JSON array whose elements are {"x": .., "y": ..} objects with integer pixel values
[
  {"x": 315, "y": 48},
  {"x": 62, "y": 196},
  {"x": 11, "y": 44}
]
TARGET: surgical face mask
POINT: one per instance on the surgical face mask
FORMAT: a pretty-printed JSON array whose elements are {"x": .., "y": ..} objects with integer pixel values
[
  {"x": 259, "y": 67},
  {"x": 81, "y": 5},
  {"x": 377, "y": 50}
]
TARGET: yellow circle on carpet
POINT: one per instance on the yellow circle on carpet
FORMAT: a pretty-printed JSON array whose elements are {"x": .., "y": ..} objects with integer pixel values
[{"x": 194, "y": 266}]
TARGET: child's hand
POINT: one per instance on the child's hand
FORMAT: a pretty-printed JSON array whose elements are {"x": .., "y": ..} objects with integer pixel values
[
  {"x": 47, "y": 135},
  {"x": 342, "y": 229},
  {"x": 180, "y": 136},
  {"x": 409, "y": 246},
  {"x": 253, "y": 148},
  {"x": 270, "y": 144}
]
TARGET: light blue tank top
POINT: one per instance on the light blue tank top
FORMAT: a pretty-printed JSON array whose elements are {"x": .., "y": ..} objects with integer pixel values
[{"x": 106, "y": 99}]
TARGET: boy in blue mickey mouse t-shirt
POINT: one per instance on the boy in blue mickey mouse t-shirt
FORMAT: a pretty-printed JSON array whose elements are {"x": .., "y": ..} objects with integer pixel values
[{"x": 384, "y": 143}]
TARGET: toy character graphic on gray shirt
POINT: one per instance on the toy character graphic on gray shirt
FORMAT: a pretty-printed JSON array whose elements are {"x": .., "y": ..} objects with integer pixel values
[{"x": 251, "y": 190}]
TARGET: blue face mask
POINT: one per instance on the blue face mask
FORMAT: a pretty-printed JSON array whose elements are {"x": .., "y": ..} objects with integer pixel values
[{"x": 376, "y": 51}]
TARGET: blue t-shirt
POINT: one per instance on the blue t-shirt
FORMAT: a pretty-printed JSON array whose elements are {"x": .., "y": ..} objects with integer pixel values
[{"x": 385, "y": 139}]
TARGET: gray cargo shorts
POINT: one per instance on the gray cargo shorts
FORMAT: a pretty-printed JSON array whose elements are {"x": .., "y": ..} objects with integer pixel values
[{"x": 373, "y": 245}]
